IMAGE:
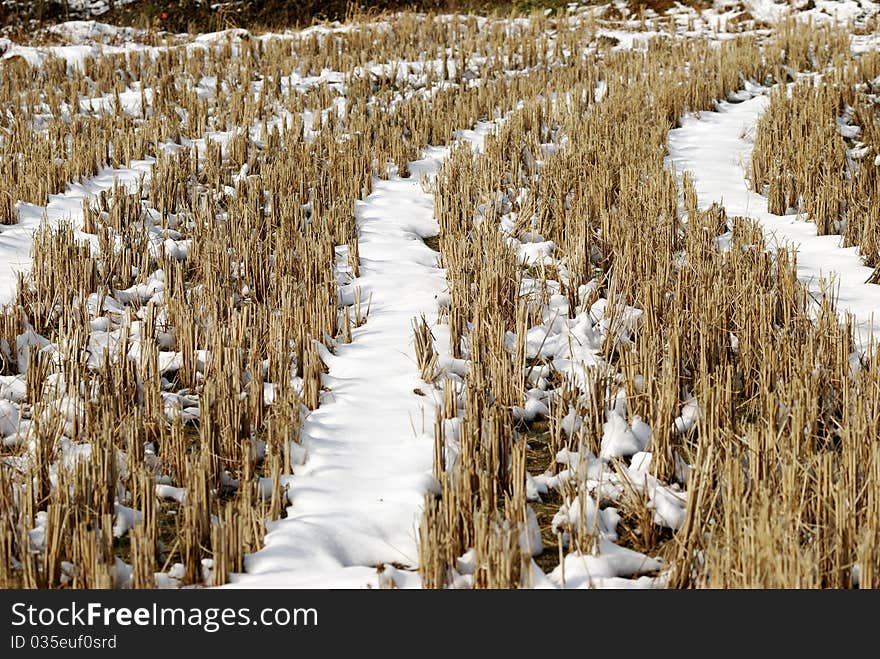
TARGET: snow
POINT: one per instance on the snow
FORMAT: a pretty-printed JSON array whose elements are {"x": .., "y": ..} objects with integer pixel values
[
  {"x": 357, "y": 500},
  {"x": 819, "y": 11},
  {"x": 619, "y": 439},
  {"x": 669, "y": 503},
  {"x": 9, "y": 418},
  {"x": 716, "y": 148},
  {"x": 604, "y": 567},
  {"x": 583, "y": 513},
  {"x": 93, "y": 7},
  {"x": 85, "y": 32}
]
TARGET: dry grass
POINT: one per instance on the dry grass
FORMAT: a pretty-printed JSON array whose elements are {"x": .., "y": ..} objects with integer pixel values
[
  {"x": 174, "y": 337},
  {"x": 210, "y": 286},
  {"x": 808, "y": 159},
  {"x": 778, "y": 463}
]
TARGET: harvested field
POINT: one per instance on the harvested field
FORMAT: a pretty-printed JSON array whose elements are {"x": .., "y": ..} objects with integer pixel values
[{"x": 580, "y": 298}]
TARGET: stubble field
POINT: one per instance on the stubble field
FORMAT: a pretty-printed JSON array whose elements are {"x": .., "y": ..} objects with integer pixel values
[{"x": 580, "y": 298}]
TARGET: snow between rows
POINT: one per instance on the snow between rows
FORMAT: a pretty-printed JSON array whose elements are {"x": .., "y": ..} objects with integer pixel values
[
  {"x": 716, "y": 148},
  {"x": 357, "y": 499}
]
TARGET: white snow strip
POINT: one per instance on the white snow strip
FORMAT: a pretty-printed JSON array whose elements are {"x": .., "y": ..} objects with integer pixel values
[
  {"x": 357, "y": 499},
  {"x": 716, "y": 148}
]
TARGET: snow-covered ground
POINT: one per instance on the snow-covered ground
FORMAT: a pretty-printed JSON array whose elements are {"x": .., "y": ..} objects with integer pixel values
[
  {"x": 772, "y": 11},
  {"x": 356, "y": 501}
]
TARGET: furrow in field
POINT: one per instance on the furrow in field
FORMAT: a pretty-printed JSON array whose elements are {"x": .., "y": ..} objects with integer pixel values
[
  {"x": 356, "y": 499},
  {"x": 716, "y": 147}
]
